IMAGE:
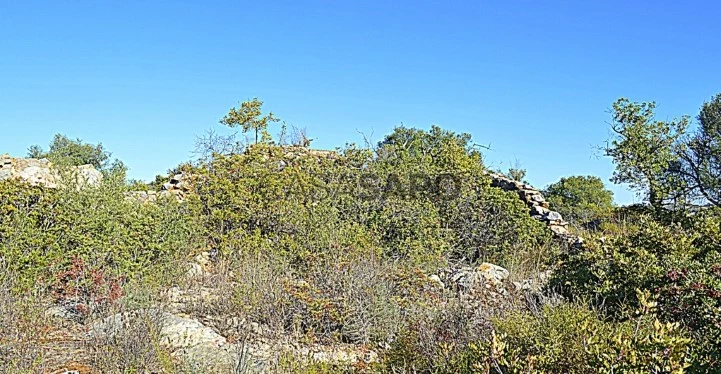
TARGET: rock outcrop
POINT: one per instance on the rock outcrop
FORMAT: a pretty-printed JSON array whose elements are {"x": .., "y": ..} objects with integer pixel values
[{"x": 41, "y": 172}]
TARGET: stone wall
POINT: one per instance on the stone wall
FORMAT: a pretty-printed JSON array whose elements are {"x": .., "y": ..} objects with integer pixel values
[{"x": 538, "y": 207}]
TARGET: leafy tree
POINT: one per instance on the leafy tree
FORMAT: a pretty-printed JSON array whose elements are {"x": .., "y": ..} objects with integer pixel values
[
  {"x": 580, "y": 198},
  {"x": 701, "y": 158},
  {"x": 646, "y": 151},
  {"x": 249, "y": 117},
  {"x": 74, "y": 152}
]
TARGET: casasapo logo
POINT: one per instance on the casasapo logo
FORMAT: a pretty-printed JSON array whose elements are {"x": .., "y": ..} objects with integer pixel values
[
  {"x": 372, "y": 186},
  {"x": 444, "y": 186}
]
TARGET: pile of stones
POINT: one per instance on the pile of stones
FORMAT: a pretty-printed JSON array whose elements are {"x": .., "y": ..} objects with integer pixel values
[{"x": 539, "y": 207}]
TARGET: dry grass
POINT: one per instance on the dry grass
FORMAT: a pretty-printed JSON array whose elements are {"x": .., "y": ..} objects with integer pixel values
[
  {"x": 134, "y": 347},
  {"x": 22, "y": 328}
]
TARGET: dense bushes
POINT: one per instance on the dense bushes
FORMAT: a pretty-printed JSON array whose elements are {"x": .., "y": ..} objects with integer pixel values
[
  {"x": 679, "y": 262},
  {"x": 338, "y": 247},
  {"x": 43, "y": 231},
  {"x": 423, "y": 197},
  {"x": 580, "y": 199},
  {"x": 572, "y": 339}
]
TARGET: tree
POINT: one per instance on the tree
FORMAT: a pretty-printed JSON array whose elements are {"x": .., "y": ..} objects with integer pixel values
[
  {"x": 701, "y": 158},
  {"x": 580, "y": 198},
  {"x": 516, "y": 172},
  {"x": 249, "y": 118},
  {"x": 68, "y": 152},
  {"x": 646, "y": 151}
]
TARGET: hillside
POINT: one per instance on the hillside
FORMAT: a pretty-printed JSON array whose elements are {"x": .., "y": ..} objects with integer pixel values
[{"x": 407, "y": 256}]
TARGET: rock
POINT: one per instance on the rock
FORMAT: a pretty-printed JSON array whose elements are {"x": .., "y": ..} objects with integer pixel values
[
  {"x": 492, "y": 273},
  {"x": 537, "y": 210},
  {"x": 194, "y": 342},
  {"x": 194, "y": 270},
  {"x": 203, "y": 259},
  {"x": 554, "y": 216},
  {"x": 41, "y": 172},
  {"x": 435, "y": 279},
  {"x": 558, "y": 230},
  {"x": 538, "y": 198},
  {"x": 535, "y": 283},
  {"x": 464, "y": 278}
]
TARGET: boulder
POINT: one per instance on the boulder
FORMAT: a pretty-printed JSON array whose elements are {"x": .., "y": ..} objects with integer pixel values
[
  {"x": 554, "y": 216},
  {"x": 493, "y": 274},
  {"x": 41, "y": 172},
  {"x": 185, "y": 337}
]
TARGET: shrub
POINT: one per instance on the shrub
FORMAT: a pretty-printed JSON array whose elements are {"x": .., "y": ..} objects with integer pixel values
[
  {"x": 571, "y": 339},
  {"x": 42, "y": 231},
  {"x": 22, "y": 327},
  {"x": 135, "y": 348},
  {"x": 423, "y": 198},
  {"x": 678, "y": 262}
]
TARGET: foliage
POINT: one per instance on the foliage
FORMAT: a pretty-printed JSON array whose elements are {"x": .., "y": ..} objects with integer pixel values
[
  {"x": 517, "y": 175},
  {"x": 42, "y": 230},
  {"x": 677, "y": 262},
  {"x": 701, "y": 158},
  {"x": 22, "y": 325},
  {"x": 424, "y": 197},
  {"x": 249, "y": 117},
  {"x": 86, "y": 291},
  {"x": 571, "y": 339},
  {"x": 64, "y": 151},
  {"x": 580, "y": 199},
  {"x": 645, "y": 151}
]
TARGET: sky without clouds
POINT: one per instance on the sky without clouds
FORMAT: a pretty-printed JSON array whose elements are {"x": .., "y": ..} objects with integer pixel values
[{"x": 532, "y": 79}]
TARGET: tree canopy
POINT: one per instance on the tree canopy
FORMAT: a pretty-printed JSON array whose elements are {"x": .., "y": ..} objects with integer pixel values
[
  {"x": 249, "y": 117},
  {"x": 580, "y": 198},
  {"x": 65, "y": 151}
]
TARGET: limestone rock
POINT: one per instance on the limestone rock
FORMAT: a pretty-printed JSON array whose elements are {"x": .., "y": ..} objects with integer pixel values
[
  {"x": 539, "y": 207},
  {"x": 41, "y": 172},
  {"x": 492, "y": 273},
  {"x": 554, "y": 216},
  {"x": 185, "y": 337}
]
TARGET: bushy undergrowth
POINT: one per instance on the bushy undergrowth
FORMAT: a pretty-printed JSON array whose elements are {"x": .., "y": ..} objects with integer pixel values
[
  {"x": 423, "y": 198},
  {"x": 43, "y": 232},
  {"x": 22, "y": 326},
  {"x": 680, "y": 262}
]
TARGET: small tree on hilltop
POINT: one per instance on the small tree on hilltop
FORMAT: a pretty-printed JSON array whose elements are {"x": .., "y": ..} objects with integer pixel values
[
  {"x": 249, "y": 117},
  {"x": 74, "y": 152}
]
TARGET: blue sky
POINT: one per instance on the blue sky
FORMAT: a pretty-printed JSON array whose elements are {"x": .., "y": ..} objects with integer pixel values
[{"x": 534, "y": 79}]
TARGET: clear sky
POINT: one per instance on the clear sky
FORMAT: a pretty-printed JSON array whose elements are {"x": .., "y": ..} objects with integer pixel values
[{"x": 534, "y": 79}]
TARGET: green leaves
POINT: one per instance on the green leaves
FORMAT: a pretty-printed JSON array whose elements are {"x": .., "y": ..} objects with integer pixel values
[
  {"x": 64, "y": 151},
  {"x": 580, "y": 199},
  {"x": 41, "y": 230},
  {"x": 249, "y": 117},
  {"x": 644, "y": 151}
]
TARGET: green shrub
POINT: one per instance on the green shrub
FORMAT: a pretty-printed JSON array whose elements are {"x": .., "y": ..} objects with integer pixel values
[
  {"x": 42, "y": 231},
  {"x": 580, "y": 199},
  {"x": 681, "y": 263},
  {"x": 423, "y": 198},
  {"x": 571, "y": 339}
]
